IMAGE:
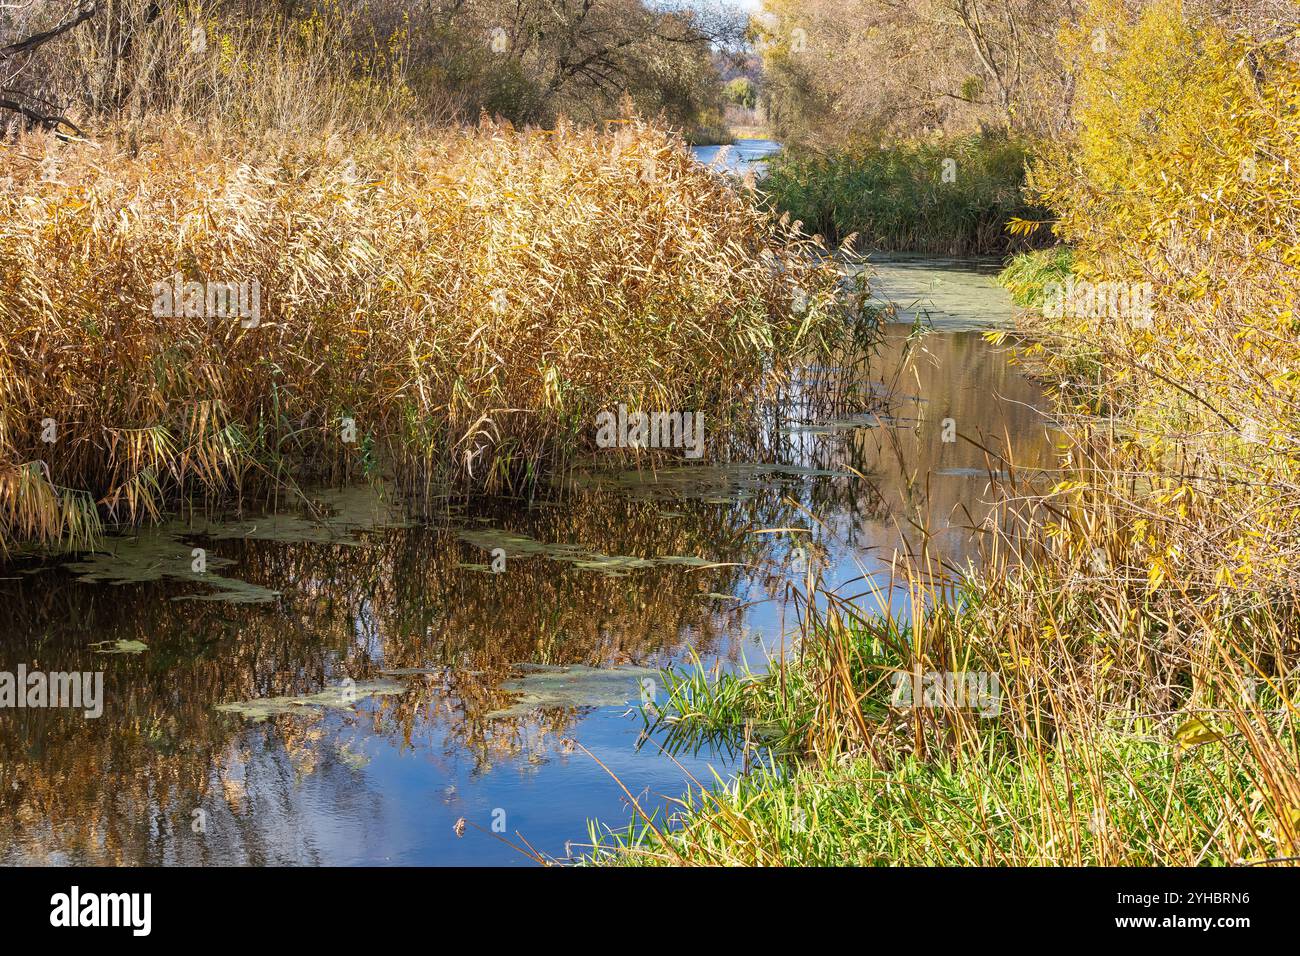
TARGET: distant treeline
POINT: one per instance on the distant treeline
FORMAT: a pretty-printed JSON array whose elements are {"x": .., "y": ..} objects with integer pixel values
[{"x": 65, "y": 64}]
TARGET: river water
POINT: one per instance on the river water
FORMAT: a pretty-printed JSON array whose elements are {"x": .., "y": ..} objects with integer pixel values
[
  {"x": 344, "y": 689},
  {"x": 738, "y": 157}
]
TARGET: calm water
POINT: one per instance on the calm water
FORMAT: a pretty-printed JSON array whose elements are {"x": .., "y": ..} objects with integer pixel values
[
  {"x": 739, "y": 157},
  {"x": 430, "y": 689}
]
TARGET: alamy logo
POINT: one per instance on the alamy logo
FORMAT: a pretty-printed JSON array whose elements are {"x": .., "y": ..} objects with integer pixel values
[
  {"x": 683, "y": 430},
  {"x": 209, "y": 300},
  {"x": 948, "y": 690},
  {"x": 1099, "y": 300},
  {"x": 82, "y": 690},
  {"x": 102, "y": 909}
]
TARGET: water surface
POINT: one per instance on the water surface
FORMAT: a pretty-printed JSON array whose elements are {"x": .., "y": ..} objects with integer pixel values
[{"x": 740, "y": 157}]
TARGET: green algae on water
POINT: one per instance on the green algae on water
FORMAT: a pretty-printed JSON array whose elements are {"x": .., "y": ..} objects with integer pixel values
[
  {"x": 163, "y": 552},
  {"x": 710, "y": 484},
  {"x": 518, "y": 545},
  {"x": 543, "y": 686},
  {"x": 156, "y": 553},
  {"x": 120, "y": 647},
  {"x": 339, "y": 697}
]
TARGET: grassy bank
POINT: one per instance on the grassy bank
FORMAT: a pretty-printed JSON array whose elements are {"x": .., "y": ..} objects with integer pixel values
[
  {"x": 953, "y": 198},
  {"x": 438, "y": 305},
  {"x": 1141, "y": 621},
  {"x": 1116, "y": 737}
]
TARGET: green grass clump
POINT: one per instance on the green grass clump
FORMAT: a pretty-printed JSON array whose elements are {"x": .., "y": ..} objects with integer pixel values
[
  {"x": 1027, "y": 274},
  {"x": 1118, "y": 739},
  {"x": 953, "y": 198},
  {"x": 1134, "y": 807}
]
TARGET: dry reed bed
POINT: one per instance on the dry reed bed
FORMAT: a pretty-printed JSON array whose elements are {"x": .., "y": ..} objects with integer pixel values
[{"x": 469, "y": 299}]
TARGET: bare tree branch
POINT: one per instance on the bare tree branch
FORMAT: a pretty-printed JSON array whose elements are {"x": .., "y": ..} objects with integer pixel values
[
  {"x": 49, "y": 120},
  {"x": 87, "y": 11}
]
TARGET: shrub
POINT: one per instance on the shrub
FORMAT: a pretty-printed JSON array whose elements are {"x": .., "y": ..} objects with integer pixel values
[
  {"x": 954, "y": 198},
  {"x": 1181, "y": 174}
]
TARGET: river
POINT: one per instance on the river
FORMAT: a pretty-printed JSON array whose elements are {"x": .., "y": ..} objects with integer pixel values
[{"x": 347, "y": 690}]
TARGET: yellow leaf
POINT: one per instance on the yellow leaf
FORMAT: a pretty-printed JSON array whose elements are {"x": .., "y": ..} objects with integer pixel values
[{"x": 1194, "y": 733}]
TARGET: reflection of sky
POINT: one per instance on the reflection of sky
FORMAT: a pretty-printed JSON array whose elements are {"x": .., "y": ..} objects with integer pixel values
[
  {"x": 402, "y": 807},
  {"x": 740, "y": 157}
]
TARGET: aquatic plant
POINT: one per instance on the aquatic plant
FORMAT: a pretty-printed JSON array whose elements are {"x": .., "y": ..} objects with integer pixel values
[
  {"x": 445, "y": 307},
  {"x": 954, "y": 197}
]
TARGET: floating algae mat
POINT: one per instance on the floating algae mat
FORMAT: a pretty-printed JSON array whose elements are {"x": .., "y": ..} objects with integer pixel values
[
  {"x": 339, "y": 697},
  {"x": 158, "y": 553},
  {"x": 972, "y": 473},
  {"x": 544, "y": 686},
  {"x": 518, "y": 545},
  {"x": 847, "y": 423},
  {"x": 338, "y": 517},
  {"x": 952, "y": 295},
  {"x": 163, "y": 552},
  {"x": 120, "y": 647}
]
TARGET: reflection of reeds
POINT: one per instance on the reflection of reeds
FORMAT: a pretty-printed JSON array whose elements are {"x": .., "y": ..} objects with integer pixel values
[
  {"x": 95, "y": 789},
  {"x": 470, "y": 299}
]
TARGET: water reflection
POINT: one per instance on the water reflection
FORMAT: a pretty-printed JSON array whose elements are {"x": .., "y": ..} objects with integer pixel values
[
  {"x": 740, "y": 157},
  {"x": 165, "y": 777}
]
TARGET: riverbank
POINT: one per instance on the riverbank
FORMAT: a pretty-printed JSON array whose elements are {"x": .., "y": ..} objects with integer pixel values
[{"x": 1114, "y": 682}]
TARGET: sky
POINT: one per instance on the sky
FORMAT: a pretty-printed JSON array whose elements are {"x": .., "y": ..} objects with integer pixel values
[{"x": 750, "y": 6}]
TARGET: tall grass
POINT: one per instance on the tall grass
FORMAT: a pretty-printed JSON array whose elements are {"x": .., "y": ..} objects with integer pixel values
[
  {"x": 1029, "y": 276},
  {"x": 954, "y": 197},
  {"x": 468, "y": 298},
  {"x": 1134, "y": 727}
]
